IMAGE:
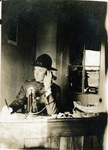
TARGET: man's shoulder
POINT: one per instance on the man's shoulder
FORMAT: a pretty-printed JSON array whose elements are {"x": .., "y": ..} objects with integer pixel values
[{"x": 30, "y": 81}]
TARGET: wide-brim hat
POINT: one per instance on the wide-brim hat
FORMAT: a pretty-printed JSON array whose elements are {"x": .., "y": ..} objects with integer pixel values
[{"x": 45, "y": 61}]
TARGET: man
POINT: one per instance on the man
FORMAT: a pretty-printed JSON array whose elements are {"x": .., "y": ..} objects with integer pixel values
[{"x": 44, "y": 94}]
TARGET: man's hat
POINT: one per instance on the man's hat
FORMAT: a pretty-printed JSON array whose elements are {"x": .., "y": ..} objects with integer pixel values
[{"x": 45, "y": 61}]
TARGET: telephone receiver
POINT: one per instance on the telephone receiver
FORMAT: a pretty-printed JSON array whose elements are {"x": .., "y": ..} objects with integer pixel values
[{"x": 53, "y": 77}]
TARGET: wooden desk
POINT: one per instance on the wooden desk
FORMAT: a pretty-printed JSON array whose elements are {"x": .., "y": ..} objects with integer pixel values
[{"x": 46, "y": 132}]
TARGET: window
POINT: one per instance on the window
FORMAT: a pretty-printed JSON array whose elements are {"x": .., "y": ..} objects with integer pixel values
[
  {"x": 92, "y": 67},
  {"x": 84, "y": 72}
]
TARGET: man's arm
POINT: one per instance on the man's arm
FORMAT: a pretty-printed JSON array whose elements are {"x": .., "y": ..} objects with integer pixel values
[
  {"x": 53, "y": 97},
  {"x": 20, "y": 100}
]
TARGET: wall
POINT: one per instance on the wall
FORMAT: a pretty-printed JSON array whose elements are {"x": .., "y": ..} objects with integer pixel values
[
  {"x": 15, "y": 60},
  {"x": 47, "y": 31}
]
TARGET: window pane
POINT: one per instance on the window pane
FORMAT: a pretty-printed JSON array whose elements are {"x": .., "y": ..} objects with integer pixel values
[
  {"x": 92, "y": 58},
  {"x": 91, "y": 81},
  {"x": 92, "y": 68}
]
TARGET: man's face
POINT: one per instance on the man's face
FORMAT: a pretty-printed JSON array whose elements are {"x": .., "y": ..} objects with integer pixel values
[{"x": 39, "y": 73}]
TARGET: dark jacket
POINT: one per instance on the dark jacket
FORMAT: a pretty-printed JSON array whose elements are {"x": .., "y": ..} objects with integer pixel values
[{"x": 52, "y": 102}]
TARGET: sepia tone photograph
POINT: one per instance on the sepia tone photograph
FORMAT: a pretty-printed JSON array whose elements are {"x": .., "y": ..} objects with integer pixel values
[{"x": 54, "y": 74}]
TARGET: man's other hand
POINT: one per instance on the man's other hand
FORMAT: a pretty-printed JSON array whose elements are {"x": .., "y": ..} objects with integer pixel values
[
  {"x": 6, "y": 110},
  {"x": 47, "y": 80}
]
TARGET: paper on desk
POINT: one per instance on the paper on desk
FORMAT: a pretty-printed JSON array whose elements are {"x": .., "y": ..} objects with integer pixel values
[{"x": 89, "y": 109}]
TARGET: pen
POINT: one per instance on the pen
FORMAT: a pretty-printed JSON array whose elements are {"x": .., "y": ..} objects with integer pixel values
[{"x": 6, "y": 103}]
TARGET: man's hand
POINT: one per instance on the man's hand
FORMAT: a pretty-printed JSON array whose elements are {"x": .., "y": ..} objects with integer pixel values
[
  {"x": 47, "y": 80},
  {"x": 6, "y": 110}
]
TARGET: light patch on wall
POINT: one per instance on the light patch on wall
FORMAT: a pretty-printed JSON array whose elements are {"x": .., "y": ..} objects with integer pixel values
[
  {"x": 106, "y": 85},
  {"x": 105, "y": 143}
]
